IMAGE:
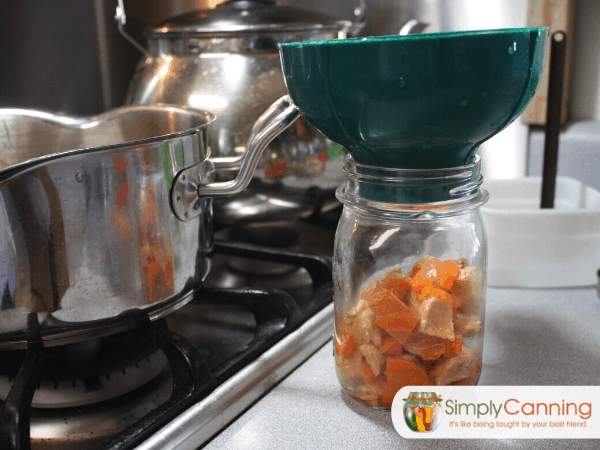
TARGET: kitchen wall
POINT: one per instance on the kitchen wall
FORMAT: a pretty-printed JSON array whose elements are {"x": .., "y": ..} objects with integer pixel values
[
  {"x": 505, "y": 155},
  {"x": 63, "y": 56},
  {"x": 585, "y": 87}
]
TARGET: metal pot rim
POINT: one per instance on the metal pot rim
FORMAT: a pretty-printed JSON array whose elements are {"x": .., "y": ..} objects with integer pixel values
[{"x": 14, "y": 170}]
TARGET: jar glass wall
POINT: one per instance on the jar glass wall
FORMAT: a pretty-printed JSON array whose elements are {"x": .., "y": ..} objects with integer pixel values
[{"x": 409, "y": 274}]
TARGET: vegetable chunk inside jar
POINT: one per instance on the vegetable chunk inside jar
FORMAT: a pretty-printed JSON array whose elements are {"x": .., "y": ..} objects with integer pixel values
[{"x": 421, "y": 327}]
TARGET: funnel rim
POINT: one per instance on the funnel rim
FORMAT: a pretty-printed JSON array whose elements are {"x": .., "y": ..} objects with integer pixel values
[{"x": 445, "y": 35}]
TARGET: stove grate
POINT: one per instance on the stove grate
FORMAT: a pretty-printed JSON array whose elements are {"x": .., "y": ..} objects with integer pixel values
[{"x": 276, "y": 314}]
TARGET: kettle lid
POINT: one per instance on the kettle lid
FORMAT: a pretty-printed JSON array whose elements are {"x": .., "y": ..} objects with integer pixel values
[{"x": 243, "y": 16}]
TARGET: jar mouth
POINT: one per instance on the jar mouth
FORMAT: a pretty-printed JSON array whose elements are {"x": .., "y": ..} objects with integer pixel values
[
  {"x": 396, "y": 173},
  {"x": 394, "y": 190}
]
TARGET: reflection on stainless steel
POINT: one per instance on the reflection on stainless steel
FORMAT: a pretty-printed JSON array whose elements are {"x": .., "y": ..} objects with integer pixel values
[
  {"x": 412, "y": 26},
  {"x": 196, "y": 425},
  {"x": 91, "y": 245},
  {"x": 89, "y": 235},
  {"x": 267, "y": 203},
  {"x": 226, "y": 61}
]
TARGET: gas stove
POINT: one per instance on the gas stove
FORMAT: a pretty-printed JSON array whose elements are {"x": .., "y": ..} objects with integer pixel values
[{"x": 177, "y": 382}]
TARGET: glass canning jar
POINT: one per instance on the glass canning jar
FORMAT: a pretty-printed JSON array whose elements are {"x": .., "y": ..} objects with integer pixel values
[{"x": 409, "y": 270}]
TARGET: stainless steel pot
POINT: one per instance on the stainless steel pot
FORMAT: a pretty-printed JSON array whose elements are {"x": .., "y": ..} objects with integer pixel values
[
  {"x": 96, "y": 240},
  {"x": 225, "y": 60}
]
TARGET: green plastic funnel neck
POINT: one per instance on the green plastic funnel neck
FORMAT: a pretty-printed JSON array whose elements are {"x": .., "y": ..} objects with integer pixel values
[{"x": 417, "y": 101}]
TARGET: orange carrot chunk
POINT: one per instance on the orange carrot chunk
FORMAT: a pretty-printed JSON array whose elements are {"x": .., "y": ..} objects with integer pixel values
[
  {"x": 399, "y": 325},
  {"x": 367, "y": 374},
  {"x": 448, "y": 273},
  {"x": 346, "y": 346},
  {"x": 453, "y": 348},
  {"x": 401, "y": 372},
  {"x": 420, "y": 281},
  {"x": 430, "y": 291},
  {"x": 390, "y": 345},
  {"x": 383, "y": 302},
  {"x": 430, "y": 354},
  {"x": 397, "y": 285}
]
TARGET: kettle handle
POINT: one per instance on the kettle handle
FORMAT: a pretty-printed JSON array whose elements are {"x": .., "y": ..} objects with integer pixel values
[
  {"x": 273, "y": 121},
  {"x": 360, "y": 17},
  {"x": 121, "y": 20}
]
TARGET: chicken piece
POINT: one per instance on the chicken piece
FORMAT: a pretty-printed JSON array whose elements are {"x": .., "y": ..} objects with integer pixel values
[
  {"x": 455, "y": 368},
  {"x": 412, "y": 300},
  {"x": 436, "y": 318},
  {"x": 349, "y": 322},
  {"x": 471, "y": 380},
  {"x": 413, "y": 359},
  {"x": 368, "y": 393},
  {"x": 365, "y": 329},
  {"x": 350, "y": 368},
  {"x": 376, "y": 337},
  {"x": 465, "y": 288},
  {"x": 349, "y": 318},
  {"x": 426, "y": 264},
  {"x": 430, "y": 291},
  {"x": 427, "y": 347},
  {"x": 462, "y": 263},
  {"x": 467, "y": 325},
  {"x": 372, "y": 357}
]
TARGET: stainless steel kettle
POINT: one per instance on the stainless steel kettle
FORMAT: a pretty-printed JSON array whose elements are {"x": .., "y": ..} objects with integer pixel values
[{"x": 225, "y": 60}]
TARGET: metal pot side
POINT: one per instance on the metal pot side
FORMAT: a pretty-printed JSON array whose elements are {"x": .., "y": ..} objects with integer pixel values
[{"x": 89, "y": 244}]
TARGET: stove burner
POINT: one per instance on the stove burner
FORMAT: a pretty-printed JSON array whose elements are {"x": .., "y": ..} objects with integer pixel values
[
  {"x": 275, "y": 235},
  {"x": 88, "y": 372},
  {"x": 89, "y": 427}
]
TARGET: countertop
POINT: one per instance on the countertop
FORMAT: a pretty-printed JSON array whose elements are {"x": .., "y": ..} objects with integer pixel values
[{"x": 531, "y": 337}]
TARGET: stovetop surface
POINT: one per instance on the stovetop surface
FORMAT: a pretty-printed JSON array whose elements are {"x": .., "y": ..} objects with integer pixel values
[{"x": 218, "y": 332}]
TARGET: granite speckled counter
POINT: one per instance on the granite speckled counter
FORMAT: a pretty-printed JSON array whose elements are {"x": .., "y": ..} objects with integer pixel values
[{"x": 532, "y": 337}]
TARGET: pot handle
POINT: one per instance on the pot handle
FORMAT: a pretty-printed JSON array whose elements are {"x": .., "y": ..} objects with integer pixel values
[
  {"x": 190, "y": 184},
  {"x": 273, "y": 121}
]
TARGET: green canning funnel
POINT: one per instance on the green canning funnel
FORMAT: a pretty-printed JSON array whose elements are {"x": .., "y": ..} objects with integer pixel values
[{"x": 419, "y": 101}]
